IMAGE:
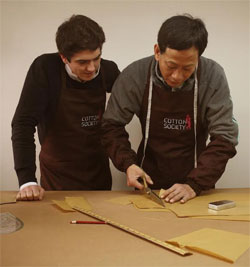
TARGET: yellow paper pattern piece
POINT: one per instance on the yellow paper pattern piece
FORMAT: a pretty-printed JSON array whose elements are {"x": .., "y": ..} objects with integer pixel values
[
  {"x": 199, "y": 205},
  {"x": 224, "y": 245},
  {"x": 227, "y": 218},
  {"x": 144, "y": 202},
  {"x": 63, "y": 205},
  {"x": 79, "y": 202},
  {"x": 120, "y": 200},
  {"x": 7, "y": 197}
]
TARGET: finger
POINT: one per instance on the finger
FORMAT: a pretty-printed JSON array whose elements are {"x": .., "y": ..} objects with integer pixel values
[
  {"x": 138, "y": 185},
  {"x": 29, "y": 194},
  {"x": 187, "y": 197},
  {"x": 132, "y": 182},
  {"x": 23, "y": 195},
  {"x": 148, "y": 179},
  {"x": 184, "y": 199},
  {"x": 167, "y": 193},
  {"x": 36, "y": 193},
  {"x": 176, "y": 197},
  {"x": 18, "y": 196},
  {"x": 41, "y": 195}
]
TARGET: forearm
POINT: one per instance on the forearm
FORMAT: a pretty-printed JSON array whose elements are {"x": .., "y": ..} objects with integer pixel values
[
  {"x": 211, "y": 164},
  {"x": 115, "y": 139},
  {"x": 29, "y": 113},
  {"x": 24, "y": 159}
]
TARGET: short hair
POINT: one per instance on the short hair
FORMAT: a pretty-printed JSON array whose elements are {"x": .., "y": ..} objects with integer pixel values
[
  {"x": 79, "y": 33},
  {"x": 182, "y": 32}
]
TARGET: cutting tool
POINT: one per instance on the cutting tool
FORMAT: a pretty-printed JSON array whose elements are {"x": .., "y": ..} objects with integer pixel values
[{"x": 152, "y": 194}]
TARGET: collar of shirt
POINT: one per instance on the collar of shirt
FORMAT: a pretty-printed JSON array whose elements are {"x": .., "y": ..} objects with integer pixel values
[{"x": 75, "y": 77}]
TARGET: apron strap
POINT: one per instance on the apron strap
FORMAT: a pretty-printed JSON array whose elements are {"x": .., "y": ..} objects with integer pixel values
[
  {"x": 195, "y": 116},
  {"x": 147, "y": 118}
]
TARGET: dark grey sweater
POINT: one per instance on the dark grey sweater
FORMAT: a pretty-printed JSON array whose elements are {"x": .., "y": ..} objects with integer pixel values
[
  {"x": 38, "y": 103},
  {"x": 214, "y": 102}
]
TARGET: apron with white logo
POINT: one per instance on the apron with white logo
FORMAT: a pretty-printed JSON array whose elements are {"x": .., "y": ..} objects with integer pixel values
[
  {"x": 72, "y": 157},
  {"x": 174, "y": 143}
]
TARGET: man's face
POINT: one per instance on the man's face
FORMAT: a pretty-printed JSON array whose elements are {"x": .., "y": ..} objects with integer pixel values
[
  {"x": 176, "y": 66},
  {"x": 84, "y": 64}
]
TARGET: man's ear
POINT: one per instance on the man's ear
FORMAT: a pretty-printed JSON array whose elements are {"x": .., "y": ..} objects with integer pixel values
[
  {"x": 64, "y": 59},
  {"x": 157, "y": 52}
]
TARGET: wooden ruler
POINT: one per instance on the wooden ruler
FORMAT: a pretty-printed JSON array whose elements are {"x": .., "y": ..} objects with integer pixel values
[{"x": 125, "y": 228}]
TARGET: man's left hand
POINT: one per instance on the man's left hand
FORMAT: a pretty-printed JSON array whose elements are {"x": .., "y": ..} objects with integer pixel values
[{"x": 178, "y": 192}]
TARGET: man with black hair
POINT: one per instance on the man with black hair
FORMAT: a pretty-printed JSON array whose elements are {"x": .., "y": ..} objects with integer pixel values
[
  {"x": 64, "y": 96},
  {"x": 180, "y": 98}
]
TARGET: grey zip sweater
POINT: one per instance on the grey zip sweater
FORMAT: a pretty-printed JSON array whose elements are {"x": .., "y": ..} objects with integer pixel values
[{"x": 216, "y": 109}]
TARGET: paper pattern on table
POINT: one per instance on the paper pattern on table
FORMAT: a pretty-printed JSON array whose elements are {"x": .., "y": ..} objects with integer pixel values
[
  {"x": 79, "y": 202},
  {"x": 70, "y": 202},
  {"x": 199, "y": 206},
  {"x": 7, "y": 197},
  {"x": 121, "y": 200},
  {"x": 142, "y": 202},
  {"x": 63, "y": 205},
  {"x": 145, "y": 202},
  {"x": 224, "y": 245},
  {"x": 245, "y": 218}
]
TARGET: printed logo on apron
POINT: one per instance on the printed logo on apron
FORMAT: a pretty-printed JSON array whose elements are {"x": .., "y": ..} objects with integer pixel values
[
  {"x": 91, "y": 120},
  {"x": 88, "y": 121},
  {"x": 179, "y": 124}
]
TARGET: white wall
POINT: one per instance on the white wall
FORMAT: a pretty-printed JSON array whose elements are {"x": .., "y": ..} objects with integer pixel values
[{"x": 28, "y": 30}]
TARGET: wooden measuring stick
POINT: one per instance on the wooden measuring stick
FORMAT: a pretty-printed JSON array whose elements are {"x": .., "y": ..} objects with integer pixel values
[{"x": 125, "y": 228}]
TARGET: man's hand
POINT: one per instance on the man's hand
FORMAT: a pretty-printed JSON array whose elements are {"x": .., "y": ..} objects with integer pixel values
[
  {"x": 134, "y": 172},
  {"x": 31, "y": 192},
  {"x": 178, "y": 192}
]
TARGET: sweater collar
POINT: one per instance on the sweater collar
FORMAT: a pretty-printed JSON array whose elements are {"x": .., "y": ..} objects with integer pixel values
[{"x": 75, "y": 77}]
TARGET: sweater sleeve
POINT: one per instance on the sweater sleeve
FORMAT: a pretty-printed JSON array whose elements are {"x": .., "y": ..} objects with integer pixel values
[
  {"x": 218, "y": 117},
  {"x": 125, "y": 101},
  {"x": 112, "y": 72},
  {"x": 30, "y": 110}
]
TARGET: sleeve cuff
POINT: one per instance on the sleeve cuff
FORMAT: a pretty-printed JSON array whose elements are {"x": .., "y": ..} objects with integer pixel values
[{"x": 27, "y": 184}]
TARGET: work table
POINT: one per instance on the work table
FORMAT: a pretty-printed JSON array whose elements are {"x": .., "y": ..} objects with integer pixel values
[{"x": 48, "y": 239}]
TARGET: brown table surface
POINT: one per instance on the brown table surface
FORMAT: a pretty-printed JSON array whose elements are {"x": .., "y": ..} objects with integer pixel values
[{"x": 48, "y": 238}]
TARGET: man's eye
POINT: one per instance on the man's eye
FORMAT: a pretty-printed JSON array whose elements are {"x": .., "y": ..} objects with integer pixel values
[
  {"x": 171, "y": 68},
  {"x": 82, "y": 62}
]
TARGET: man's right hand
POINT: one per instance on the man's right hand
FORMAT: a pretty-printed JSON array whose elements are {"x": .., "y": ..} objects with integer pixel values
[
  {"x": 31, "y": 192},
  {"x": 134, "y": 172}
]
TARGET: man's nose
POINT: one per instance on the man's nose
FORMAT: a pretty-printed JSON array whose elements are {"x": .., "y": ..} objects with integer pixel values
[
  {"x": 177, "y": 75},
  {"x": 91, "y": 66}
]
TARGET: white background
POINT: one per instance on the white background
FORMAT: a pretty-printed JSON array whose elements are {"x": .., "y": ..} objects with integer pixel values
[{"x": 28, "y": 30}]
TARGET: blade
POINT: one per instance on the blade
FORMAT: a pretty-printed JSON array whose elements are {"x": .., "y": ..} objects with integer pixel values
[{"x": 154, "y": 197}]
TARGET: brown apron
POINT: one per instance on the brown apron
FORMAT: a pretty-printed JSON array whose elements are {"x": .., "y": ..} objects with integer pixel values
[
  {"x": 169, "y": 153},
  {"x": 72, "y": 157}
]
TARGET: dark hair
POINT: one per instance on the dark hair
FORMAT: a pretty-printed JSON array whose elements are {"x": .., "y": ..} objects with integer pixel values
[
  {"x": 182, "y": 32},
  {"x": 77, "y": 34}
]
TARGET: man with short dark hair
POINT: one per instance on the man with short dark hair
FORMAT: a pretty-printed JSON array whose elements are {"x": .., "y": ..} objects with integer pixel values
[
  {"x": 180, "y": 98},
  {"x": 64, "y": 96}
]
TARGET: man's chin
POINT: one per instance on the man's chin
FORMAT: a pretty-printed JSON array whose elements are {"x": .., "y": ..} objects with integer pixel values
[
  {"x": 87, "y": 77},
  {"x": 174, "y": 85}
]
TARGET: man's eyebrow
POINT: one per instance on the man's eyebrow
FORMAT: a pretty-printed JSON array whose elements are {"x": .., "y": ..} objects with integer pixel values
[
  {"x": 172, "y": 62},
  {"x": 85, "y": 60}
]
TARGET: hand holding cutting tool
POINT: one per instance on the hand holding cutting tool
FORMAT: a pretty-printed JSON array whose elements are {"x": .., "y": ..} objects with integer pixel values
[{"x": 134, "y": 173}]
